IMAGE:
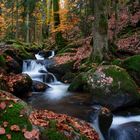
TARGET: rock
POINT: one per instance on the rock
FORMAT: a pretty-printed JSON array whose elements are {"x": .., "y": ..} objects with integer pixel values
[
  {"x": 39, "y": 86},
  {"x": 60, "y": 70},
  {"x": 126, "y": 131},
  {"x": 79, "y": 83},
  {"x": 132, "y": 65},
  {"x": 110, "y": 86},
  {"x": 68, "y": 77},
  {"x": 13, "y": 65},
  {"x": 50, "y": 78},
  {"x": 21, "y": 84},
  {"x": 104, "y": 117},
  {"x": 3, "y": 82}
]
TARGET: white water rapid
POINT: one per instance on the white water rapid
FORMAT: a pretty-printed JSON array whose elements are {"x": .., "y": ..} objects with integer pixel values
[{"x": 38, "y": 72}]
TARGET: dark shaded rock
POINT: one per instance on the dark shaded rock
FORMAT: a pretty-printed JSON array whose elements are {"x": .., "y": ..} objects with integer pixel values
[
  {"x": 103, "y": 117},
  {"x": 79, "y": 83},
  {"x": 60, "y": 70},
  {"x": 132, "y": 65},
  {"x": 3, "y": 82},
  {"x": 39, "y": 86},
  {"x": 46, "y": 54},
  {"x": 126, "y": 131},
  {"x": 50, "y": 78},
  {"x": 14, "y": 54},
  {"x": 13, "y": 65},
  {"x": 22, "y": 84},
  {"x": 68, "y": 77}
]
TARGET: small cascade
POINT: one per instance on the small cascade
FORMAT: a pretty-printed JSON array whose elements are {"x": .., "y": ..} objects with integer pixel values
[
  {"x": 39, "y": 57},
  {"x": 33, "y": 68},
  {"x": 52, "y": 54},
  {"x": 37, "y": 70}
]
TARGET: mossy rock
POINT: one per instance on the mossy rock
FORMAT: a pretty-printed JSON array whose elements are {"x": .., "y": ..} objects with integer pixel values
[
  {"x": 117, "y": 62},
  {"x": 79, "y": 83},
  {"x": 132, "y": 65},
  {"x": 112, "y": 87},
  {"x": 68, "y": 77},
  {"x": 2, "y": 60},
  {"x": 22, "y": 85},
  {"x": 3, "y": 83},
  {"x": 22, "y": 51},
  {"x": 60, "y": 70},
  {"x": 12, "y": 116}
]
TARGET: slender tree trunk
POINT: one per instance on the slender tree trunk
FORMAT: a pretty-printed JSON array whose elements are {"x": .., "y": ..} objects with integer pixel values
[
  {"x": 12, "y": 18},
  {"x": 17, "y": 23},
  {"x": 27, "y": 28},
  {"x": 100, "y": 30},
  {"x": 56, "y": 13}
]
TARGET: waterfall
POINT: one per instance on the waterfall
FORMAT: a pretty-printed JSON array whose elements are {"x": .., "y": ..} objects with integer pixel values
[
  {"x": 37, "y": 70},
  {"x": 52, "y": 54},
  {"x": 39, "y": 57}
]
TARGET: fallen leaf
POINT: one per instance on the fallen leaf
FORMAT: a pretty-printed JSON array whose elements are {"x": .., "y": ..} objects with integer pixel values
[
  {"x": 11, "y": 105},
  {"x": 5, "y": 124},
  {"x": 14, "y": 128},
  {"x": 8, "y": 136},
  {"x": 2, "y": 131},
  {"x": 28, "y": 135},
  {"x": 2, "y": 105}
]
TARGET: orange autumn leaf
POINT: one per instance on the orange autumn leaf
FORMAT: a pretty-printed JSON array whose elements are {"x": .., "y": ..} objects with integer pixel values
[
  {"x": 2, "y": 105},
  {"x": 8, "y": 136},
  {"x": 14, "y": 128},
  {"x": 5, "y": 124}
]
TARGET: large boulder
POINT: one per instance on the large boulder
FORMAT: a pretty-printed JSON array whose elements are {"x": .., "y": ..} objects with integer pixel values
[
  {"x": 132, "y": 65},
  {"x": 110, "y": 85},
  {"x": 61, "y": 70},
  {"x": 38, "y": 86},
  {"x": 20, "y": 84},
  {"x": 102, "y": 117},
  {"x": 12, "y": 65},
  {"x": 79, "y": 83}
]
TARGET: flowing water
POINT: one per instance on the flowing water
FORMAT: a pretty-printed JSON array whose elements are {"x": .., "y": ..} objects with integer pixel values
[{"x": 58, "y": 99}]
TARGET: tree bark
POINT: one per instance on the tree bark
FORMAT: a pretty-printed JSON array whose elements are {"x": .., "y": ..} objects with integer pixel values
[
  {"x": 100, "y": 30},
  {"x": 17, "y": 24}
]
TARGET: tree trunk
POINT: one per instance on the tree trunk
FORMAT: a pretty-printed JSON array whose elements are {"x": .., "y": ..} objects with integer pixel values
[
  {"x": 100, "y": 30},
  {"x": 27, "y": 28},
  {"x": 56, "y": 13},
  {"x": 17, "y": 24}
]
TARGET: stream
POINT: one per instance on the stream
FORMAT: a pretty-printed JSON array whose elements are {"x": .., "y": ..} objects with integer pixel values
[{"x": 56, "y": 98}]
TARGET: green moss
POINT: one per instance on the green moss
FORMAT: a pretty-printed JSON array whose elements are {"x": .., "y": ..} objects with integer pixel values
[
  {"x": 22, "y": 52},
  {"x": 2, "y": 60},
  {"x": 117, "y": 62},
  {"x": 79, "y": 83},
  {"x": 51, "y": 133},
  {"x": 121, "y": 79},
  {"x": 12, "y": 117},
  {"x": 132, "y": 63}
]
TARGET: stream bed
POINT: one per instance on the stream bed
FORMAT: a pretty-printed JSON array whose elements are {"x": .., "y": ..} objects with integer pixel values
[{"x": 57, "y": 98}]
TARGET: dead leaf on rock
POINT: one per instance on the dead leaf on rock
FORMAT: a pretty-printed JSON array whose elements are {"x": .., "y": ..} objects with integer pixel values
[
  {"x": 2, "y": 131},
  {"x": 2, "y": 105},
  {"x": 14, "y": 128},
  {"x": 5, "y": 124},
  {"x": 11, "y": 105},
  {"x": 31, "y": 135},
  {"x": 8, "y": 136}
]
